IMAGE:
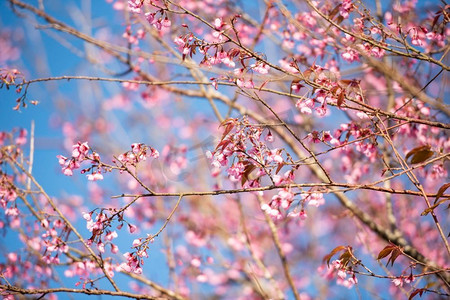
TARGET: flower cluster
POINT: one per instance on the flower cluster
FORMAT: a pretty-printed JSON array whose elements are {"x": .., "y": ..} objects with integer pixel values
[
  {"x": 100, "y": 232},
  {"x": 279, "y": 202},
  {"x": 316, "y": 137},
  {"x": 133, "y": 263},
  {"x": 52, "y": 240},
  {"x": 7, "y": 190},
  {"x": 157, "y": 19},
  {"x": 80, "y": 153},
  {"x": 314, "y": 198},
  {"x": 366, "y": 146},
  {"x": 86, "y": 269},
  {"x": 399, "y": 281},
  {"x": 338, "y": 271},
  {"x": 139, "y": 152},
  {"x": 251, "y": 157}
]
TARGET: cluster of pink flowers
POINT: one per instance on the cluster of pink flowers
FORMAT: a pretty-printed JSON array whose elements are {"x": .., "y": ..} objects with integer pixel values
[
  {"x": 86, "y": 269},
  {"x": 338, "y": 271},
  {"x": 183, "y": 43},
  {"x": 157, "y": 19},
  {"x": 243, "y": 143},
  {"x": 100, "y": 232},
  {"x": 7, "y": 190},
  {"x": 52, "y": 241},
  {"x": 366, "y": 146},
  {"x": 18, "y": 265},
  {"x": 399, "y": 281},
  {"x": 317, "y": 137},
  {"x": 133, "y": 263},
  {"x": 260, "y": 67},
  {"x": 158, "y": 23},
  {"x": 79, "y": 153},
  {"x": 245, "y": 83},
  {"x": 139, "y": 152},
  {"x": 345, "y": 8},
  {"x": 350, "y": 55},
  {"x": 280, "y": 202},
  {"x": 314, "y": 198}
]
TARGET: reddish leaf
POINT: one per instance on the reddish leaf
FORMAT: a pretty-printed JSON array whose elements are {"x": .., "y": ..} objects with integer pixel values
[
  {"x": 263, "y": 84},
  {"x": 415, "y": 293},
  {"x": 436, "y": 18},
  {"x": 441, "y": 191},
  {"x": 247, "y": 170},
  {"x": 307, "y": 73},
  {"x": 392, "y": 250},
  {"x": 341, "y": 99},
  {"x": 328, "y": 257},
  {"x": 385, "y": 252},
  {"x": 279, "y": 168},
  {"x": 223, "y": 144},
  {"x": 395, "y": 254},
  {"x": 346, "y": 81},
  {"x": 227, "y": 130},
  {"x": 234, "y": 52}
]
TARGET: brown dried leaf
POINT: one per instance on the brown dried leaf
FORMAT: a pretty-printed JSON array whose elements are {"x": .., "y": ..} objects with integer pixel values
[
  {"x": 431, "y": 208},
  {"x": 339, "y": 19},
  {"x": 415, "y": 150},
  {"x": 441, "y": 191},
  {"x": 334, "y": 12},
  {"x": 419, "y": 154}
]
